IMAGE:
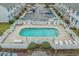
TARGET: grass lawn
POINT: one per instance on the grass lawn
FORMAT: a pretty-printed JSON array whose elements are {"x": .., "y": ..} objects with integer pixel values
[{"x": 3, "y": 27}]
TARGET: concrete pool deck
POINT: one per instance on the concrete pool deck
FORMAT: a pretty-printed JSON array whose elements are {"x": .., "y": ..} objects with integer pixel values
[{"x": 15, "y": 34}]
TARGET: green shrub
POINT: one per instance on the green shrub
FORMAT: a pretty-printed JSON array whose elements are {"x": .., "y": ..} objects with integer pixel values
[
  {"x": 45, "y": 45},
  {"x": 32, "y": 46},
  {"x": 1, "y": 33},
  {"x": 59, "y": 14},
  {"x": 11, "y": 21},
  {"x": 54, "y": 9}
]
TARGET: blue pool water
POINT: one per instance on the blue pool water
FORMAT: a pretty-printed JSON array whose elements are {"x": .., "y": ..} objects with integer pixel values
[{"x": 39, "y": 32}]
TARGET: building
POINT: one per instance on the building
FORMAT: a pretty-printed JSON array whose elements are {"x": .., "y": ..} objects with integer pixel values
[
  {"x": 3, "y": 14},
  {"x": 69, "y": 13},
  {"x": 9, "y": 11}
]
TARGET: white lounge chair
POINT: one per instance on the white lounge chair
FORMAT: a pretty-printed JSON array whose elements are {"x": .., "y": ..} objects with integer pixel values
[
  {"x": 58, "y": 23},
  {"x": 29, "y": 22},
  {"x": 70, "y": 41},
  {"x": 54, "y": 23},
  {"x": 61, "y": 43},
  {"x": 75, "y": 42},
  {"x": 56, "y": 42},
  {"x": 18, "y": 41},
  {"x": 66, "y": 42}
]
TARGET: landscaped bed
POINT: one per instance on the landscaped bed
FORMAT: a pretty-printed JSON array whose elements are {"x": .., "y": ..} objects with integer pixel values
[
  {"x": 4, "y": 27},
  {"x": 32, "y": 46},
  {"x": 44, "y": 45}
]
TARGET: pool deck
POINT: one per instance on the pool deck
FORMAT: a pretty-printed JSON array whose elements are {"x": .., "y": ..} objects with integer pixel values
[{"x": 15, "y": 35}]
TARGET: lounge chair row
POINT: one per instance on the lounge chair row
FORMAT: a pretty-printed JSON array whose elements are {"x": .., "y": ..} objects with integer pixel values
[
  {"x": 65, "y": 42},
  {"x": 8, "y": 54}
]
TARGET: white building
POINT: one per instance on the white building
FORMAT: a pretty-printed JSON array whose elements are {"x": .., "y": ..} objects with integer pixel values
[
  {"x": 69, "y": 13},
  {"x": 9, "y": 10},
  {"x": 14, "y": 9},
  {"x": 3, "y": 14}
]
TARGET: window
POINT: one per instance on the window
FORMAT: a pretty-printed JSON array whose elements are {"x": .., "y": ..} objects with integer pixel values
[
  {"x": 9, "y": 16},
  {"x": 77, "y": 14},
  {"x": 72, "y": 19},
  {"x": 14, "y": 12},
  {"x": 76, "y": 22},
  {"x": 73, "y": 11},
  {"x": 8, "y": 9}
]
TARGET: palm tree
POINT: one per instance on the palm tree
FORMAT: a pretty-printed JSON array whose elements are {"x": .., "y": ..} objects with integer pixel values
[
  {"x": 11, "y": 21},
  {"x": 16, "y": 17},
  {"x": 67, "y": 21}
]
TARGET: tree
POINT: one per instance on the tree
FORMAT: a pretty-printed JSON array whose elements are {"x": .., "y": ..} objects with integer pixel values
[
  {"x": 11, "y": 21},
  {"x": 59, "y": 14}
]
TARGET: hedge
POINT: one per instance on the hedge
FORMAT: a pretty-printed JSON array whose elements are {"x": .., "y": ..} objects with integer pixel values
[
  {"x": 45, "y": 45},
  {"x": 32, "y": 46}
]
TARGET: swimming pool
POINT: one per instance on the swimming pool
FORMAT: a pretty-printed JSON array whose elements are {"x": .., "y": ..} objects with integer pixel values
[{"x": 39, "y": 32}]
